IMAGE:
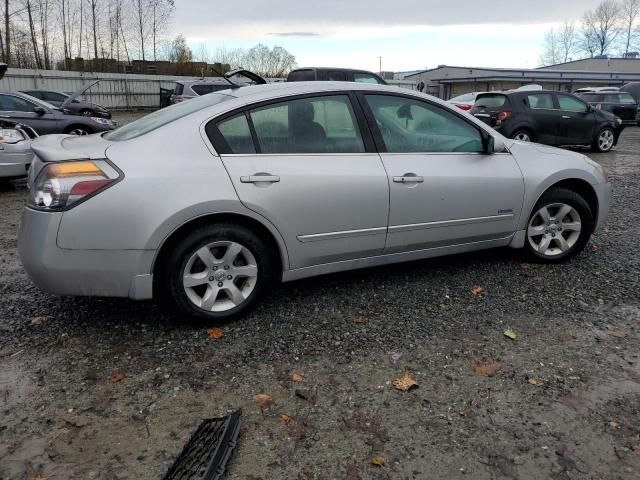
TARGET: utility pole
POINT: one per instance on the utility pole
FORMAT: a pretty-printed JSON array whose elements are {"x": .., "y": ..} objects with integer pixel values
[{"x": 380, "y": 59}]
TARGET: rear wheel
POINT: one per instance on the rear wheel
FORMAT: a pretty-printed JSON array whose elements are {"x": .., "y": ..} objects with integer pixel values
[
  {"x": 219, "y": 272},
  {"x": 605, "y": 140},
  {"x": 559, "y": 227},
  {"x": 522, "y": 136}
]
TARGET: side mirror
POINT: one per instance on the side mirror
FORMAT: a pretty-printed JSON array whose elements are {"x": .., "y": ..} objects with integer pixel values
[
  {"x": 39, "y": 110},
  {"x": 490, "y": 145}
]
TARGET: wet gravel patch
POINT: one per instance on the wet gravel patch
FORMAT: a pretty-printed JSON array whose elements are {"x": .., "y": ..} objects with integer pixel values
[{"x": 557, "y": 406}]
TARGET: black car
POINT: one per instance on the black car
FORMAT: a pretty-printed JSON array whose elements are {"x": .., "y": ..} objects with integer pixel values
[
  {"x": 633, "y": 89},
  {"x": 621, "y": 104},
  {"x": 548, "y": 117},
  {"x": 314, "y": 74}
]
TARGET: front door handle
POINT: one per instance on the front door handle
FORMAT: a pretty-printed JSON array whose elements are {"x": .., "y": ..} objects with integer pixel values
[
  {"x": 408, "y": 178},
  {"x": 260, "y": 177},
  {"x": 566, "y": 117}
]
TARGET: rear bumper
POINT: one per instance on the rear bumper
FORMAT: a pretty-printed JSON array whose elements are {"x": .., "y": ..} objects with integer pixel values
[
  {"x": 101, "y": 273},
  {"x": 15, "y": 160}
]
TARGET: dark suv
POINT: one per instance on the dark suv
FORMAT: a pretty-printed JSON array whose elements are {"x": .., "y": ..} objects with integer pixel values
[
  {"x": 548, "y": 117},
  {"x": 621, "y": 104},
  {"x": 333, "y": 75}
]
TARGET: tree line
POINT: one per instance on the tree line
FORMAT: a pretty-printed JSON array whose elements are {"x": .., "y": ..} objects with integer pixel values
[
  {"x": 49, "y": 34},
  {"x": 611, "y": 28}
]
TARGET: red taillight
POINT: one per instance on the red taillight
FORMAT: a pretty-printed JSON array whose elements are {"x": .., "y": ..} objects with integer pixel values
[
  {"x": 464, "y": 106},
  {"x": 88, "y": 187}
]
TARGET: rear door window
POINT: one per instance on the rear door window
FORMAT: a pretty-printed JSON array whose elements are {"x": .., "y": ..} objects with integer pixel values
[
  {"x": 571, "y": 104},
  {"x": 366, "y": 78},
  {"x": 9, "y": 103},
  {"x": 337, "y": 76},
  {"x": 301, "y": 76},
  {"x": 308, "y": 125},
  {"x": 236, "y": 133},
  {"x": 626, "y": 99},
  {"x": 540, "y": 101}
]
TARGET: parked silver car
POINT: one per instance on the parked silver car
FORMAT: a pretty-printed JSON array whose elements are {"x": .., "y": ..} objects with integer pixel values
[
  {"x": 211, "y": 201},
  {"x": 15, "y": 150}
]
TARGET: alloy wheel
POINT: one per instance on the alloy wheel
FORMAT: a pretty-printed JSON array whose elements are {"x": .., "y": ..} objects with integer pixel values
[
  {"x": 522, "y": 136},
  {"x": 78, "y": 131},
  {"x": 220, "y": 276},
  {"x": 554, "y": 229},
  {"x": 605, "y": 140}
]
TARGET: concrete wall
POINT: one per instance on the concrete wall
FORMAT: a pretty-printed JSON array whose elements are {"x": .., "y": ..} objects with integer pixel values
[{"x": 618, "y": 65}]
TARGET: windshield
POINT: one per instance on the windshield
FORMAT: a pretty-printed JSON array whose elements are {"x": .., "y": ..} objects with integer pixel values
[{"x": 163, "y": 117}]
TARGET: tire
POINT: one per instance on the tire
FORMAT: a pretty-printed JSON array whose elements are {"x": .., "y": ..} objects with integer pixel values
[
  {"x": 200, "y": 259},
  {"x": 87, "y": 113},
  {"x": 557, "y": 240},
  {"x": 605, "y": 140},
  {"x": 522, "y": 136},
  {"x": 78, "y": 130}
]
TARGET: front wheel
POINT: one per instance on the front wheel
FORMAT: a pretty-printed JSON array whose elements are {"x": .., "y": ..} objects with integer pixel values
[
  {"x": 559, "y": 227},
  {"x": 605, "y": 140},
  {"x": 219, "y": 272},
  {"x": 78, "y": 130}
]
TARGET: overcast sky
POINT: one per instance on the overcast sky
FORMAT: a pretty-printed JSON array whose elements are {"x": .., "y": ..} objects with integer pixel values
[{"x": 408, "y": 34}]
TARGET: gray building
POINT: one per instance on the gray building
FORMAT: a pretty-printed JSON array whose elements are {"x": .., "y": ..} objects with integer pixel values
[{"x": 449, "y": 81}]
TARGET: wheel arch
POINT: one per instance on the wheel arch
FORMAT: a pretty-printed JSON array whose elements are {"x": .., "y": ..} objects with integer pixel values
[
  {"x": 579, "y": 186},
  {"x": 270, "y": 234},
  {"x": 70, "y": 127}
]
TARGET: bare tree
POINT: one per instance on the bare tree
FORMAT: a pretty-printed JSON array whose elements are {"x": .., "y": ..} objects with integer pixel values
[
  {"x": 630, "y": 19},
  {"x": 600, "y": 28},
  {"x": 180, "y": 51}
]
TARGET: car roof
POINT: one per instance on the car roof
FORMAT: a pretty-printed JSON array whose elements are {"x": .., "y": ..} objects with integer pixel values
[
  {"x": 333, "y": 69},
  {"x": 214, "y": 80}
]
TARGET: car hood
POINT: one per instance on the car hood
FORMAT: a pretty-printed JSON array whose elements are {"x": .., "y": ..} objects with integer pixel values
[{"x": 78, "y": 92}]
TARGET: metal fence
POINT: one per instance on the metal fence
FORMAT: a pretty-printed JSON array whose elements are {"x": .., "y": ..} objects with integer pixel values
[{"x": 114, "y": 91}]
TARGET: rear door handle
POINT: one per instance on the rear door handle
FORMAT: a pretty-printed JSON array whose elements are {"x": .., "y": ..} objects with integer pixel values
[
  {"x": 258, "y": 178},
  {"x": 408, "y": 178},
  {"x": 566, "y": 117}
]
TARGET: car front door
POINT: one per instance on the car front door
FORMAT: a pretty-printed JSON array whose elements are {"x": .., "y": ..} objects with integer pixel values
[
  {"x": 308, "y": 166},
  {"x": 444, "y": 190},
  {"x": 21, "y": 110},
  {"x": 578, "y": 120}
]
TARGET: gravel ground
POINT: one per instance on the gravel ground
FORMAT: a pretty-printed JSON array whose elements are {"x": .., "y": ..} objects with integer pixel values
[{"x": 112, "y": 389}]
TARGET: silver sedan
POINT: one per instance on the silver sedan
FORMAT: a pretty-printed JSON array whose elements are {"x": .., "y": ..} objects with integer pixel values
[{"x": 209, "y": 202}]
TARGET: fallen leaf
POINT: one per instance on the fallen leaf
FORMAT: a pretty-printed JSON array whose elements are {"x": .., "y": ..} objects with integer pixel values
[
  {"x": 405, "y": 383},
  {"x": 215, "y": 333},
  {"x": 360, "y": 319},
  {"x": 296, "y": 377},
  {"x": 527, "y": 266},
  {"x": 532, "y": 381},
  {"x": 510, "y": 334},
  {"x": 115, "y": 377},
  {"x": 477, "y": 290},
  {"x": 536, "y": 279},
  {"x": 395, "y": 356},
  {"x": 263, "y": 400},
  {"x": 377, "y": 461},
  {"x": 444, "y": 306},
  {"x": 286, "y": 419},
  {"x": 38, "y": 320},
  {"x": 484, "y": 367},
  {"x": 615, "y": 332}
]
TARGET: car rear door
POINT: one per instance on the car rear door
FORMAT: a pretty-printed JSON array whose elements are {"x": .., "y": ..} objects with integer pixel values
[
  {"x": 578, "y": 120},
  {"x": 545, "y": 119},
  {"x": 625, "y": 107},
  {"x": 309, "y": 166},
  {"x": 444, "y": 190}
]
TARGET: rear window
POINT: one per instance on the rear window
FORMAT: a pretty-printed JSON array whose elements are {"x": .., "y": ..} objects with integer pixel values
[
  {"x": 162, "y": 117},
  {"x": 301, "y": 76},
  {"x": 205, "y": 88},
  {"x": 492, "y": 100},
  {"x": 467, "y": 97}
]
